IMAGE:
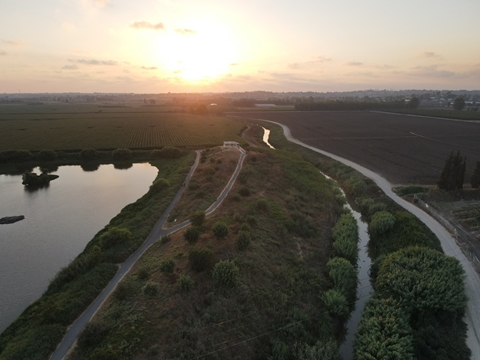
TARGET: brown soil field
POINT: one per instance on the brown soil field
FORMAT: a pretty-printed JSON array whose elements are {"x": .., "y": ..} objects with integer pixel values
[{"x": 403, "y": 149}]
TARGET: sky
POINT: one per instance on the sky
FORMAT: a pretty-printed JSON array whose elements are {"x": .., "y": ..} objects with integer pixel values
[{"x": 160, "y": 46}]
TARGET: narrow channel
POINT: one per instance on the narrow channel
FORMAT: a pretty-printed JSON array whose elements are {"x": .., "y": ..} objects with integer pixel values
[{"x": 364, "y": 286}]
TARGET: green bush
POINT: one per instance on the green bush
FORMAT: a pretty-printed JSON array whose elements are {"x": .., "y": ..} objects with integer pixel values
[
  {"x": 356, "y": 186},
  {"x": 46, "y": 155},
  {"x": 165, "y": 239},
  {"x": 89, "y": 154},
  {"x": 105, "y": 354},
  {"x": 344, "y": 276},
  {"x": 167, "y": 153},
  {"x": 251, "y": 220},
  {"x": 381, "y": 223},
  {"x": 115, "y": 236},
  {"x": 336, "y": 303},
  {"x": 12, "y": 156},
  {"x": 151, "y": 288},
  {"x": 185, "y": 283},
  {"x": 122, "y": 155},
  {"x": 93, "y": 333},
  {"x": 423, "y": 278},
  {"x": 320, "y": 351},
  {"x": 225, "y": 273},
  {"x": 262, "y": 205},
  {"x": 197, "y": 218},
  {"x": 243, "y": 240},
  {"x": 220, "y": 230},
  {"x": 244, "y": 191},
  {"x": 167, "y": 266},
  {"x": 143, "y": 273},
  {"x": 376, "y": 207},
  {"x": 123, "y": 290},
  {"x": 192, "y": 234},
  {"x": 200, "y": 258},
  {"x": 384, "y": 332},
  {"x": 159, "y": 184}
]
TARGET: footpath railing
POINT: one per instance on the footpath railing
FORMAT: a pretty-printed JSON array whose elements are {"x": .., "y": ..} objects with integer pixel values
[{"x": 462, "y": 237}]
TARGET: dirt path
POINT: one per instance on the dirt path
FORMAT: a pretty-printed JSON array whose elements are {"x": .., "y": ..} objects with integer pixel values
[
  {"x": 472, "y": 280},
  {"x": 157, "y": 232}
]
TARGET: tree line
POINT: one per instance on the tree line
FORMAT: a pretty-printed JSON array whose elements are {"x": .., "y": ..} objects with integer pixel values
[{"x": 453, "y": 173}]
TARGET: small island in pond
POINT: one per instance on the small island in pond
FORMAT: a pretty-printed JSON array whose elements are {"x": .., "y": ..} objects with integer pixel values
[{"x": 32, "y": 180}]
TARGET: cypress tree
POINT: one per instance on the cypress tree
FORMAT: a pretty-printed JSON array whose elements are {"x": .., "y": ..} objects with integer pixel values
[
  {"x": 453, "y": 173},
  {"x": 475, "y": 179}
]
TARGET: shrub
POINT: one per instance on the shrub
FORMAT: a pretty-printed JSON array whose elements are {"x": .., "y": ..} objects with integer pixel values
[
  {"x": 89, "y": 154},
  {"x": 336, "y": 303},
  {"x": 104, "y": 354},
  {"x": 356, "y": 186},
  {"x": 93, "y": 333},
  {"x": 167, "y": 266},
  {"x": 376, "y": 207},
  {"x": 150, "y": 288},
  {"x": 244, "y": 191},
  {"x": 252, "y": 220},
  {"x": 115, "y": 236},
  {"x": 123, "y": 290},
  {"x": 384, "y": 332},
  {"x": 167, "y": 153},
  {"x": 382, "y": 222},
  {"x": 243, "y": 240},
  {"x": 225, "y": 273},
  {"x": 159, "y": 184},
  {"x": 320, "y": 351},
  {"x": 423, "y": 279},
  {"x": 192, "y": 234},
  {"x": 143, "y": 273},
  {"x": 344, "y": 276},
  {"x": 185, "y": 283},
  {"x": 122, "y": 154},
  {"x": 236, "y": 197},
  {"x": 47, "y": 155},
  {"x": 346, "y": 249},
  {"x": 165, "y": 239},
  {"x": 200, "y": 258},
  {"x": 262, "y": 205},
  {"x": 220, "y": 230},
  {"x": 197, "y": 218},
  {"x": 11, "y": 156}
]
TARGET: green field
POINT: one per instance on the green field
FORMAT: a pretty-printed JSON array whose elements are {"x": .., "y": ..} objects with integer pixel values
[{"x": 74, "y": 127}]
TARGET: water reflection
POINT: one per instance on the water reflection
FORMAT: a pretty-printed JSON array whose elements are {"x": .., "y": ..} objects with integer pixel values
[
  {"x": 59, "y": 221},
  {"x": 89, "y": 167},
  {"x": 123, "y": 165}
]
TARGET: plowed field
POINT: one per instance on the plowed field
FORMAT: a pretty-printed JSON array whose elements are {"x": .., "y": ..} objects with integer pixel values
[{"x": 403, "y": 149}]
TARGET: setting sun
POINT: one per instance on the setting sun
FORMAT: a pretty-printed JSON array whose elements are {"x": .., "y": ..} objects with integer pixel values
[{"x": 197, "y": 55}]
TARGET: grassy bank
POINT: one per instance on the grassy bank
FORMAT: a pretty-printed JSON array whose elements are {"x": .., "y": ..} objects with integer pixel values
[
  {"x": 254, "y": 285},
  {"x": 38, "y": 330},
  {"x": 419, "y": 300}
]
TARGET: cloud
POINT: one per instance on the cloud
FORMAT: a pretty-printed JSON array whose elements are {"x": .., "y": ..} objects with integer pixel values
[
  {"x": 13, "y": 42},
  {"x": 146, "y": 25},
  {"x": 149, "y": 68},
  {"x": 294, "y": 66},
  {"x": 3, "y": 53},
  {"x": 185, "y": 31},
  {"x": 97, "y": 3},
  {"x": 354, "y": 63},
  {"x": 322, "y": 59},
  {"x": 429, "y": 55},
  {"x": 233, "y": 64},
  {"x": 124, "y": 78},
  {"x": 70, "y": 67},
  {"x": 93, "y": 62},
  {"x": 433, "y": 71}
]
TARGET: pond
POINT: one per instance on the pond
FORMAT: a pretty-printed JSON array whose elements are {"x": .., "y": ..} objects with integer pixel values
[{"x": 59, "y": 222}]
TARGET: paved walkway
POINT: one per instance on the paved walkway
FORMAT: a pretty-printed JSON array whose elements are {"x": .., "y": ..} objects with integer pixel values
[
  {"x": 155, "y": 235},
  {"x": 450, "y": 247}
]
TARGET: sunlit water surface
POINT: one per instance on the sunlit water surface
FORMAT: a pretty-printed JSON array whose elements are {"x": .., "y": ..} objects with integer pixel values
[{"x": 59, "y": 221}]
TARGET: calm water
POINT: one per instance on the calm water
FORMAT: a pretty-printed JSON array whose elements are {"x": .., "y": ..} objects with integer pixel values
[{"x": 59, "y": 221}]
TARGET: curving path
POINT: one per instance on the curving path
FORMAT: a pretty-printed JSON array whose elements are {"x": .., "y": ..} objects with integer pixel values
[
  {"x": 472, "y": 280},
  {"x": 157, "y": 232}
]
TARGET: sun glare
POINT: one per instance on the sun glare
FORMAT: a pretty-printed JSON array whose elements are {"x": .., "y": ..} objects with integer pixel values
[{"x": 199, "y": 56}]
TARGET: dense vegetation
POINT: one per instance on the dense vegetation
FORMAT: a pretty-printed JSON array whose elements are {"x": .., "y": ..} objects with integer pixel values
[
  {"x": 38, "y": 330},
  {"x": 254, "y": 284},
  {"x": 419, "y": 302},
  {"x": 453, "y": 173}
]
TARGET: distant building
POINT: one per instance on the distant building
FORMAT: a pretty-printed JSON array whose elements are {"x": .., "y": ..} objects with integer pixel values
[{"x": 265, "y": 105}]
